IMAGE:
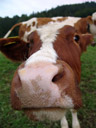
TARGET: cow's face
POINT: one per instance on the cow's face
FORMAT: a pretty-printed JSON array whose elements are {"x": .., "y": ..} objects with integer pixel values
[{"x": 50, "y": 76}]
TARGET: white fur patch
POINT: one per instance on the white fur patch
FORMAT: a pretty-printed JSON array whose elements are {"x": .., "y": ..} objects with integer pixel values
[
  {"x": 30, "y": 21},
  {"x": 64, "y": 123},
  {"x": 48, "y": 34},
  {"x": 33, "y": 28},
  {"x": 94, "y": 16},
  {"x": 71, "y": 21},
  {"x": 56, "y": 18},
  {"x": 93, "y": 29},
  {"x": 46, "y": 53},
  {"x": 54, "y": 114},
  {"x": 75, "y": 121},
  {"x": 93, "y": 26}
]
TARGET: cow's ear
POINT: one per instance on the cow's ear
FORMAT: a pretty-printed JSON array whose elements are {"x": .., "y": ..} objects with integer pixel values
[
  {"x": 85, "y": 40},
  {"x": 89, "y": 19},
  {"x": 14, "y": 48}
]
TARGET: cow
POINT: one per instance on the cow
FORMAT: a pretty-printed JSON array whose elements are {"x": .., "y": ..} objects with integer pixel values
[
  {"x": 83, "y": 25},
  {"x": 46, "y": 84}
]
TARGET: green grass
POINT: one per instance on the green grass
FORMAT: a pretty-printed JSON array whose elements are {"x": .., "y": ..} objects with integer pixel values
[{"x": 16, "y": 119}]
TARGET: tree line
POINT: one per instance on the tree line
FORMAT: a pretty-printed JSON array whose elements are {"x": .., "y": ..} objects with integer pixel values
[{"x": 77, "y": 10}]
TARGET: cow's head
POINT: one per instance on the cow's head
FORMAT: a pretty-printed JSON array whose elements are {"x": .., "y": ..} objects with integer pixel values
[
  {"x": 50, "y": 76},
  {"x": 87, "y": 25}
]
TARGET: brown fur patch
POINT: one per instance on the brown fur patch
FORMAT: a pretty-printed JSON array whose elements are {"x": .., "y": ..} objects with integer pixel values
[
  {"x": 43, "y": 21},
  {"x": 35, "y": 42},
  {"x": 89, "y": 19},
  {"x": 69, "y": 51},
  {"x": 84, "y": 41},
  {"x": 33, "y": 24},
  {"x": 68, "y": 85},
  {"x": 62, "y": 19},
  {"x": 17, "y": 51},
  {"x": 28, "y": 28},
  {"x": 82, "y": 26},
  {"x": 22, "y": 30},
  {"x": 95, "y": 22}
]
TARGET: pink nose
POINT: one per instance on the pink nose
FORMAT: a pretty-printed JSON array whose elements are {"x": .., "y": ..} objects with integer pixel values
[
  {"x": 38, "y": 72},
  {"x": 38, "y": 85}
]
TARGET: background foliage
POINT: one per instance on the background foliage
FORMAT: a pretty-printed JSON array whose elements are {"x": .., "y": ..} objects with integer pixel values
[{"x": 77, "y": 10}]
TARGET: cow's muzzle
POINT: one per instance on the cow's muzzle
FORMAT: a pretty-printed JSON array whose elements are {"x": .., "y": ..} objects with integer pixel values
[
  {"x": 38, "y": 85},
  {"x": 45, "y": 85}
]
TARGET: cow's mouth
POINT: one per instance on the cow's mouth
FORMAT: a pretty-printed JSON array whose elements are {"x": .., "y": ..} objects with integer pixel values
[{"x": 44, "y": 108}]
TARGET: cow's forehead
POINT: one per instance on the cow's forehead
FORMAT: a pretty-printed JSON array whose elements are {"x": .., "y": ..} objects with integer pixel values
[
  {"x": 66, "y": 20},
  {"x": 34, "y": 23},
  {"x": 47, "y": 35},
  {"x": 49, "y": 32}
]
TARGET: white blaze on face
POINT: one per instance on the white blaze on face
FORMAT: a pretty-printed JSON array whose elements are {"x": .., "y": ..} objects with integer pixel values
[{"x": 48, "y": 34}]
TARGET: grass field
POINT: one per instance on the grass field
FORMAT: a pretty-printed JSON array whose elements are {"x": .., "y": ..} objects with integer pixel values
[{"x": 15, "y": 119}]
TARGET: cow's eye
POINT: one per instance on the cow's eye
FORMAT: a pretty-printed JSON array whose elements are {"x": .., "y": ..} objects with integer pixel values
[{"x": 76, "y": 38}]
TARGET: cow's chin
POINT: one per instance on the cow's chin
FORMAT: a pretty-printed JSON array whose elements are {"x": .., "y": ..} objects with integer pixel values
[{"x": 41, "y": 114}]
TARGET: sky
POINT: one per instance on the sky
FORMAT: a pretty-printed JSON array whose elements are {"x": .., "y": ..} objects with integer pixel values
[{"x": 18, "y": 7}]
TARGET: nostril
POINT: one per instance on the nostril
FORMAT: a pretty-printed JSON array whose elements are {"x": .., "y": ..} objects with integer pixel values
[
  {"x": 58, "y": 77},
  {"x": 60, "y": 73}
]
